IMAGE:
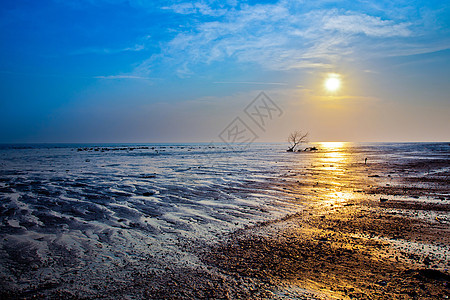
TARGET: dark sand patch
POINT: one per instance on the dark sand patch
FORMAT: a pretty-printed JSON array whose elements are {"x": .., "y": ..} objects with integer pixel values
[{"x": 325, "y": 254}]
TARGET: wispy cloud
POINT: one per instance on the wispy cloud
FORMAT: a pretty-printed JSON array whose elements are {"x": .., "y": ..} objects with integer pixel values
[
  {"x": 280, "y": 36},
  {"x": 195, "y": 8},
  {"x": 140, "y": 44},
  {"x": 251, "y": 82},
  {"x": 97, "y": 50},
  {"x": 369, "y": 25},
  {"x": 123, "y": 77}
]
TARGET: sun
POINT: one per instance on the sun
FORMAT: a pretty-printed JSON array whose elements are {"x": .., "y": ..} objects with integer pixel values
[{"x": 333, "y": 82}]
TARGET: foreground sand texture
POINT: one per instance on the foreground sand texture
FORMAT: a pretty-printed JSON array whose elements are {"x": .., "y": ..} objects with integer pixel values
[
  {"x": 386, "y": 237},
  {"x": 379, "y": 230}
]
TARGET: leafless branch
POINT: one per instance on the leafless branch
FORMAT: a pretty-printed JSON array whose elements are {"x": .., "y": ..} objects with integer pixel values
[{"x": 296, "y": 138}]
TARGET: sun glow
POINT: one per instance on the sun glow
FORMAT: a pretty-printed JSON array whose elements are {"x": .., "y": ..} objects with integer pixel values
[{"x": 333, "y": 82}]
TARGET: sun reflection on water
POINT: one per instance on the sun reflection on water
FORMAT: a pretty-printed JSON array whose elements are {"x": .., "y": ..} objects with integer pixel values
[
  {"x": 332, "y": 145},
  {"x": 332, "y": 176},
  {"x": 339, "y": 197},
  {"x": 334, "y": 164},
  {"x": 333, "y": 155}
]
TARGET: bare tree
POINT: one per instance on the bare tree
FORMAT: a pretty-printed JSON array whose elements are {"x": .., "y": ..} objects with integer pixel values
[{"x": 296, "y": 138}]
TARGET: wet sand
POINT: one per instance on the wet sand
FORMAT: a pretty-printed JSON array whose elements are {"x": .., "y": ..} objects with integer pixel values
[
  {"x": 375, "y": 231},
  {"x": 387, "y": 236}
]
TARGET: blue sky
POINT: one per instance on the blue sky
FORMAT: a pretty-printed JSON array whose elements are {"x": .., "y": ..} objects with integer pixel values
[{"x": 174, "y": 71}]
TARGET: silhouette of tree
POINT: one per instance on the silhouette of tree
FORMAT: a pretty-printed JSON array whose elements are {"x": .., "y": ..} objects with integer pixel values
[{"x": 296, "y": 138}]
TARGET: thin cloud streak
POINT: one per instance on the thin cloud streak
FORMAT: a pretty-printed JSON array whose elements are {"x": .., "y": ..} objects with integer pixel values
[
  {"x": 123, "y": 77},
  {"x": 250, "y": 82},
  {"x": 93, "y": 50}
]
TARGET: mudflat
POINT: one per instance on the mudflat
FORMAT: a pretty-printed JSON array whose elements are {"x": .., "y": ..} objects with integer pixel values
[{"x": 326, "y": 224}]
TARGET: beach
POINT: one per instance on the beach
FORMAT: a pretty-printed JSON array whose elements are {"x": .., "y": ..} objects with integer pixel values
[{"x": 183, "y": 221}]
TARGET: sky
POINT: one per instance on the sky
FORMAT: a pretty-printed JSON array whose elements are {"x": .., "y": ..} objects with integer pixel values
[{"x": 109, "y": 71}]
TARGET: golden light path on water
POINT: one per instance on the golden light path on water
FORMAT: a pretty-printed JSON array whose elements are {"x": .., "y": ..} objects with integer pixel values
[{"x": 335, "y": 164}]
